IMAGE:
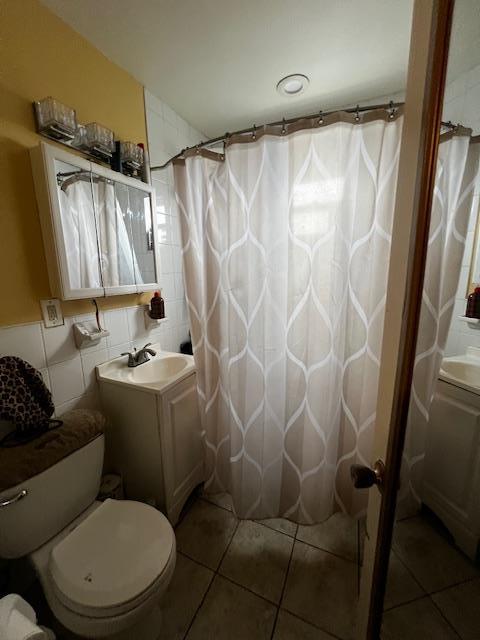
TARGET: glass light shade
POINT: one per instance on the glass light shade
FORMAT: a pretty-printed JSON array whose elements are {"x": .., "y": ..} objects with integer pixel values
[
  {"x": 131, "y": 154},
  {"x": 56, "y": 119},
  {"x": 99, "y": 139}
]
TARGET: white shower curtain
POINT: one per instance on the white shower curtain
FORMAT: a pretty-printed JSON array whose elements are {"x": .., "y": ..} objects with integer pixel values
[
  {"x": 286, "y": 246},
  {"x": 456, "y": 177},
  {"x": 79, "y": 233}
]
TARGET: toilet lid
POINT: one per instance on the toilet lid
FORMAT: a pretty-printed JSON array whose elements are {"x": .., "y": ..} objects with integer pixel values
[{"x": 114, "y": 555}]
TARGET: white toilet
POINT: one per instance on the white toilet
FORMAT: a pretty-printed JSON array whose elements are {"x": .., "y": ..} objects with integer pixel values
[{"x": 103, "y": 566}]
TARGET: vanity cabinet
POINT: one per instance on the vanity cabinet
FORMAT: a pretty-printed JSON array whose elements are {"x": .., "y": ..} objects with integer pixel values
[
  {"x": 451, "y": 485},
  {"x": 154, "y": 441},
  {"x": 98, "y": 226}
]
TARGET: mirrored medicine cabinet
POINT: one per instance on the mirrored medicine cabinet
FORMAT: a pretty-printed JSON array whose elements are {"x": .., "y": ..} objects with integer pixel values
[{"x": 98, "y": 227}]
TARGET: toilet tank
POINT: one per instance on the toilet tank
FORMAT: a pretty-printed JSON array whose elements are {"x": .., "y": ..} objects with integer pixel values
[{"x": 54, "y": 498}]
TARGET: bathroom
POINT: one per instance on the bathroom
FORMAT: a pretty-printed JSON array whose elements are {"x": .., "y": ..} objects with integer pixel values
[{"x": 203, "y": 466}]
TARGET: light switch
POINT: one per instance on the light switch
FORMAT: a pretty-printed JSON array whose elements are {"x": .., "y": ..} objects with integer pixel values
[{"x": 52, "y": 312}]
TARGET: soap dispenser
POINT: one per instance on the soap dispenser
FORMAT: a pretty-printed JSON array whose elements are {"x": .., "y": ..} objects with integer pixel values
[
  {"x": 473, "y": 304},
  {"x": 157, "y": 306}
]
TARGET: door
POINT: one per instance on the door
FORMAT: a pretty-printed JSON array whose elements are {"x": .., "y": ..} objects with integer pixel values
[{"x": 425, "y": 86}]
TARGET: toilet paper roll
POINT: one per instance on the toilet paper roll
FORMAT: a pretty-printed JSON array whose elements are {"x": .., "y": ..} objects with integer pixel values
[{"x": 18, "y": 620}]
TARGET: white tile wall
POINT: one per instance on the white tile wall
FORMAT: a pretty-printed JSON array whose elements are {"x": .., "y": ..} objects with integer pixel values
[
  {"x": 168, "y": 134},
  {"x": 462, "y": 100},
  {"x": 68, "y": 372}
]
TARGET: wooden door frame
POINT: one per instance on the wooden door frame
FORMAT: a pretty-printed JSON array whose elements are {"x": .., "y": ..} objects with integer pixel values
[{"x": 431, "y": 28}]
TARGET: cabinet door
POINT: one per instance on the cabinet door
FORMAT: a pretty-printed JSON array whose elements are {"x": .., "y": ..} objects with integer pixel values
[
  {"x": 64, "y": 193},
  {"x": 114, "y": 235},
  {"x": 181, "y": 441}
]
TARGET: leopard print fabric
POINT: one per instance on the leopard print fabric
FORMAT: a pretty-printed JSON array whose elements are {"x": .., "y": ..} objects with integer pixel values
[{"x": 24, "y": 398}]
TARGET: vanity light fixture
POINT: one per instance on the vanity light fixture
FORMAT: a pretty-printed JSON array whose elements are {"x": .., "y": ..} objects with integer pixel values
[
  {"x": 55, "y": 119},
  {"x": 293, "y": 85}
]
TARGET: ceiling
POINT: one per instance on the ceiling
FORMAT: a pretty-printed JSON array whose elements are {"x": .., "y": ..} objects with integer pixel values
[{"x": 217, "y": 62}]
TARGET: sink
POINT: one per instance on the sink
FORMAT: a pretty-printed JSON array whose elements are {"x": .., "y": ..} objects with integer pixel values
[
  {"x": 161, "y": 371},
  {"x": 463, "y": 371},
  {"x": 158, "y": 369}
]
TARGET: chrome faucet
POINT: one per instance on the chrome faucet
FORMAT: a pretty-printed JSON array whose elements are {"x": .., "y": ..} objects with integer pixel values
[{"x": 139, "y": 357}]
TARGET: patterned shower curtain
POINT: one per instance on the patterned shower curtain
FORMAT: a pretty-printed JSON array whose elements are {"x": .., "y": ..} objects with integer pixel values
[{"x": 286, "y": 244}]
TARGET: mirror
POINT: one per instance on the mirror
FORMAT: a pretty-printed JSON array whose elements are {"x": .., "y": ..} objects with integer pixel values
[
  {"x": 116, "y": 257},
  {"x": 473, "y": 238},
  {"x": 78, "y": 226},
  {"x": 141, "y": 229}
]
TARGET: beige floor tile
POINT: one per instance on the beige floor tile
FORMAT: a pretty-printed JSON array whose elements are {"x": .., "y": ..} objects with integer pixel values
[
  {"x": 232, "y": 613},
  {"x": 461, "y": 606},
  {"x": 281, "y": 524},
  {"x": 338, "y": 534},
  {"x": 322, "y": 589},
  {"x": 401, "y": 587},
  {"x": 183, "y": 597},
  {"x": 205, "y": 533},
  {"x": 289, "y": 627},
  {"x": 417, "y": 620},
  {"x": 258, "y": 559},
  {"x": 434, "y": 562}
]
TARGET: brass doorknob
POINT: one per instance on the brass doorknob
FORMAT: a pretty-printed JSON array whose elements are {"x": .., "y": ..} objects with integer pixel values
[{"x": 365, "y": 477}]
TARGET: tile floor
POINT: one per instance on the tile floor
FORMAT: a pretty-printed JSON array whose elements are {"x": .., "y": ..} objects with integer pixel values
[{"x": 273, "y": 580}]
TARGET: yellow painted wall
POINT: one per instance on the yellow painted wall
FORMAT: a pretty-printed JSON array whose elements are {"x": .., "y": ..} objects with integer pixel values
[{"x": 42, "y": 56}]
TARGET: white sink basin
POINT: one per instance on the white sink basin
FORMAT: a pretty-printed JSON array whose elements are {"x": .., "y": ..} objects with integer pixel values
[
  {"x": 159, "y": 372},
  {"x": 158, "y": 369},
  {"x": 462, "y": 371}
]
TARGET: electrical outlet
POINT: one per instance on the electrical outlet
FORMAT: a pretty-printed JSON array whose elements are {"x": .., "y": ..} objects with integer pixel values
[{"x": 52, "y": 312}]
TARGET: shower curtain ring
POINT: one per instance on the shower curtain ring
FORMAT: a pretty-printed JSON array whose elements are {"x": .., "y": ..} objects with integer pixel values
[
  {"x": 254, "y": 134},
  {"x": 284, "y": 130},
  {"x": 392, "y": 111},
  {"x": 320, "y": 119},
  {"x": 357, "y": 113}
]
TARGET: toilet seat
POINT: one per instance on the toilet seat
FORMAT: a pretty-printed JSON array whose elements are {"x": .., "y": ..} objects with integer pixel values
[{"x": 113, "y": 560}]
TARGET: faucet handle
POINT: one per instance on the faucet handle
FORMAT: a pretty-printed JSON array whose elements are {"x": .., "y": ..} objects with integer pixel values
[
  {"x": 147, "y": 345},
  {"x": 131, "y": 358}
]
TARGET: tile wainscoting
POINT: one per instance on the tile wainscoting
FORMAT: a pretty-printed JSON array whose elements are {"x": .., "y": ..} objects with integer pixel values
[{"x": 69, "y": 372}]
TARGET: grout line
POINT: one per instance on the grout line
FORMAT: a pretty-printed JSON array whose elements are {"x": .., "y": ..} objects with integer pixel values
[
  {"x": 187, "y": 631},
  {"x": 283, "y": 589},
  {"x": 449, "y": 624},
  {"x": 215, "y": 574}
]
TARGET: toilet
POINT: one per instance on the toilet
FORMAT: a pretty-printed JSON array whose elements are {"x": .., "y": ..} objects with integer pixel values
[{"x": 103, "y": 566}]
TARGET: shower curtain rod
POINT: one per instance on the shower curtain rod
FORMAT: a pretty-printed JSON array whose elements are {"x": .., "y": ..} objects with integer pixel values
[{"x": 319, "y": 114}]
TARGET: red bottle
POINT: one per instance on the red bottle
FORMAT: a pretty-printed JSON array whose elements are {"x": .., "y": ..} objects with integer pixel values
[
  {"x": 473, "y": 304},
  {"x": 157, "y": 306}
]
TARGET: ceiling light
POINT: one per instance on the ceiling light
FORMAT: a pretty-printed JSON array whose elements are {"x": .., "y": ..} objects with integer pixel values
[{"x": 293, "y": 85}]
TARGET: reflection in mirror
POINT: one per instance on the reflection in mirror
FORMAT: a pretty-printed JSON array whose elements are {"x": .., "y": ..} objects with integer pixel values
[
  {"x": 140, "y": 211},
  {"x": 116, "y": 255},
  {"x": 433, "y": 588},
  {"x": 474, "y": 239},
  {"x": 78, "y": 226}
]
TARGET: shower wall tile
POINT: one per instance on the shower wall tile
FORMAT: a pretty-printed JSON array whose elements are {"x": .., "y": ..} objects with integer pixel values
[{"x": 169, "y": 133}]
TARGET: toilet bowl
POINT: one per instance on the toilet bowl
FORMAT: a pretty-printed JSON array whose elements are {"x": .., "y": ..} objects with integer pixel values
[
  {"x": 103, "y": 566},
  {"x": 97, "y": 583}
]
